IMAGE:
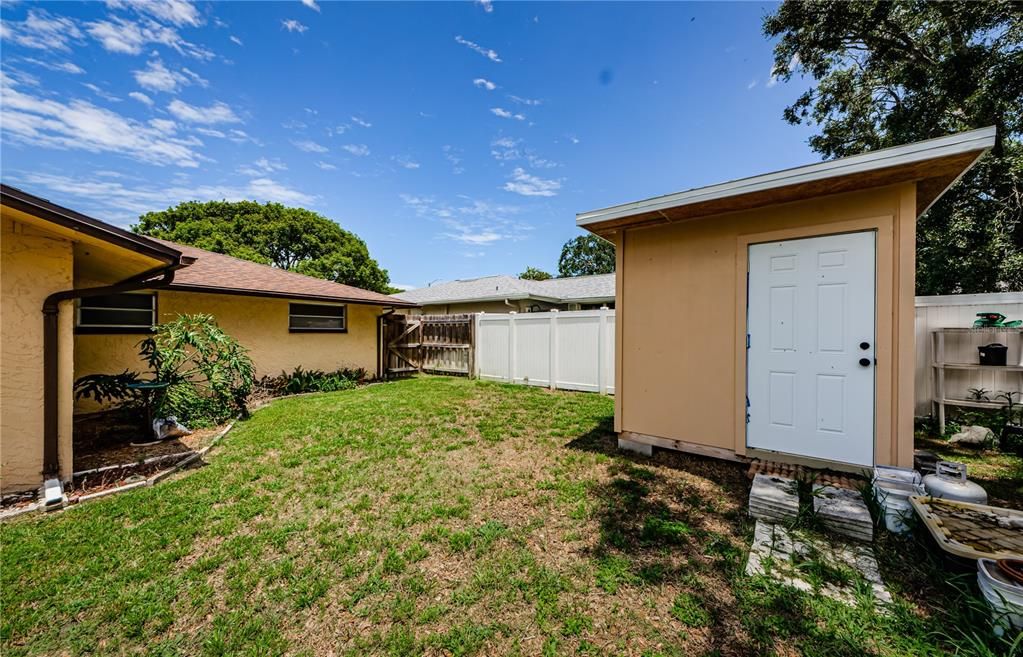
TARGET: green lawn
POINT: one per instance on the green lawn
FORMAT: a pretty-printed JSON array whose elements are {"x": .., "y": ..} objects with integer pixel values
[{"x": 441, "y": 516}]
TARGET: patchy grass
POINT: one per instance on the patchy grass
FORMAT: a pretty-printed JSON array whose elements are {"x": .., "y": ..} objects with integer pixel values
[{"x": 444, "y": 516}]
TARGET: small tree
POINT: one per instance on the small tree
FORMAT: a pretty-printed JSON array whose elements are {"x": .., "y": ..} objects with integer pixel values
[
  {"x": 209, "y": 372},
  {"x": 534, "y": 274},
  {"x": 586, "y": 255}
]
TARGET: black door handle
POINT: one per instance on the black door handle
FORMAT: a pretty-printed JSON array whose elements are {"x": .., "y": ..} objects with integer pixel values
[
  {"x": 864, "y": 345},
  {"x": 865, "y": 362}
]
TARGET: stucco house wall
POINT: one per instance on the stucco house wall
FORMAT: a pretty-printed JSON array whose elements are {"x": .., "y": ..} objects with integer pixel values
[
  {"x": 260, "y": 324},
  {"x": 33, "y": 265},
  {"x": 681, "y": 317}
]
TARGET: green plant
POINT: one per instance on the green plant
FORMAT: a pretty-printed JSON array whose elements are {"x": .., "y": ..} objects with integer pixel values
[
  {"x": 209, "y": 373},
  {"x": 979, "y": 394},
  {"x": 301, "y": 380},
  {"x": 104, "y": 388}
]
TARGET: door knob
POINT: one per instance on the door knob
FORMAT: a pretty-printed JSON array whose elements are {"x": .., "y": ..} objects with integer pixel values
[
  {"x": 864, "y": 345},
  {"x": 865, "y": 362}
]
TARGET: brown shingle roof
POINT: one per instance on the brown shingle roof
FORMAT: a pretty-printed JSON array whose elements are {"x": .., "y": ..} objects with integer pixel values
[{"x": 215, "y": 272}]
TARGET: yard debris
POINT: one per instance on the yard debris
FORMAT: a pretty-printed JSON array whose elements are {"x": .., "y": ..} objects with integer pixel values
[
  {"x": 974, "y": 435},
  {"x": 774, "y": 498},
  {"x": 843, "y": 511},
  {"x": 814, "y": 564},
  {"x": 169, "y": 427}
]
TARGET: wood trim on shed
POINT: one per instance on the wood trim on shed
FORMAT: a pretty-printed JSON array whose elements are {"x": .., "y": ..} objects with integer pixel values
[{"x": 886, "y": 334}]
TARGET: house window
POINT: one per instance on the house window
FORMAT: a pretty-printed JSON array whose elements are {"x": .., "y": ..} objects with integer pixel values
[
  {"x": 117, "y": 313},
  {"x": 316, "y": 318}
]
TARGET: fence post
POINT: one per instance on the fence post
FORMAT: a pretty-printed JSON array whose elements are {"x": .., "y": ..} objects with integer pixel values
[
  {"x": 601, "y": 348},
  {"x": 474, "y": 346},
  {"x": 553, "y": 350},
  {"x": 511, "y": 347}
]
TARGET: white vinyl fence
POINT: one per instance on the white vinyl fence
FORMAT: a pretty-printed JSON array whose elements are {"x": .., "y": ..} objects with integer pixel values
[
  {"x": 959, "y": 311},
  {"x": 573, "y": 350}
]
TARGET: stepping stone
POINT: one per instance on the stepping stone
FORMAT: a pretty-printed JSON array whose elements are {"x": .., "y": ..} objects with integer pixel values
[
  {"x": 778, "y": 552},
  {"x": 774, "y": 498},
  {"x": 843, "y": 511}
]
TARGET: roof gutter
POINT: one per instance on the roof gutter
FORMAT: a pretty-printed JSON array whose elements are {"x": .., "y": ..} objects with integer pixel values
[{"x": 51, "y": 383}]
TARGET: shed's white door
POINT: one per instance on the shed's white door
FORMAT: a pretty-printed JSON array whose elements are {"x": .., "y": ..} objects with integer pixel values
[{"x": 810, "y": 356}]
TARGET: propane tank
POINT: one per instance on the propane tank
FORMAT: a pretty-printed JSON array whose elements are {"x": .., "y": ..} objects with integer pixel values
[{"x": 949, "y": 482}]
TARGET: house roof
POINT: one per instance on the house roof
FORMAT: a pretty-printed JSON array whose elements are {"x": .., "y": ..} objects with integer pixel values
[
  {"x": 223, "y": 274},
  {"x": 592, "y": 289},
  {"x": 935, "y": 164},
  {"x": 76, "y": 221}
]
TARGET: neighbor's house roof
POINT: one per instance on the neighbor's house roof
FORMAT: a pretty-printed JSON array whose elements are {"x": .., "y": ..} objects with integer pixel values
[
  {"x": 222, "y": 274},
  {"x": 934, "y": 164},
  {"x": 577, "y": 289}
]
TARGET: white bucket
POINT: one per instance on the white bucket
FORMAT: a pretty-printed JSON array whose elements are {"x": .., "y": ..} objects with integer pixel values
[
  {"x": 1004, "y": 596},
  {"x": 893, "y": 496}
]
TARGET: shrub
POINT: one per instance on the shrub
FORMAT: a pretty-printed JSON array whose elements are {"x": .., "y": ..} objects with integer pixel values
[
  {"x": 209, "y": 373},
  {"x": 301, "y": 380}
]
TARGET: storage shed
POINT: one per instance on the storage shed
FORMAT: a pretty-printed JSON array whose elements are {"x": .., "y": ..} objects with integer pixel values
[{"x": 772, "y": 317}]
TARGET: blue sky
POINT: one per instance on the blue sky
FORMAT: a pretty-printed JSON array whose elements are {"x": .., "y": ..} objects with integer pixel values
[{"x": 457, "y": 139}]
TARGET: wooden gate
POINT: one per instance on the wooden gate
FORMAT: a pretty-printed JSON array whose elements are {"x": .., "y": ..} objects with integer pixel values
[{"x": 441, "y": 344}]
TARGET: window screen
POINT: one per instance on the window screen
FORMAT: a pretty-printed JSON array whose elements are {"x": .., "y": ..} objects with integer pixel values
[
  {"x": 127, "y": 312},
  {"x": 314, "y": 317}
]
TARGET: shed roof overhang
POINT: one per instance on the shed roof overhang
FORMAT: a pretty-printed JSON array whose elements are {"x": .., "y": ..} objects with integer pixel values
[{"x": 934, "y": 164}]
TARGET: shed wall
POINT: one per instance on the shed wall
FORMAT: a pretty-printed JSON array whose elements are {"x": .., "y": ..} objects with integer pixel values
[{"x": 681, "y": 317}]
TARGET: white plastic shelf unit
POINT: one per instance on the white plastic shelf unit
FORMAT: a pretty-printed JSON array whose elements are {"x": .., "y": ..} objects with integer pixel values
[{"x": 984, "y": 336}]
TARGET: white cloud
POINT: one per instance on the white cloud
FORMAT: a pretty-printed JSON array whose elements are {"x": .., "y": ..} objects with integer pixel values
[
  {"x": 41, "y": 30},
  {"x": 572, "y": 138},
  {"x": 293, "y": 25},
  {"x": 262, "y": 167},
  {"x": 157, "y": 77},
  {"x": 63, "y": 67},
  {"x": 236, "y": 40},
  {"x": 483, "y": 83},
  {"x": 145, "y": 197},
  {"x": 488, "y": 5},
  {"x": 124, "y": 36},
  {"x": 751, "y": 84},
  {"x": 311, "y": 4},
  {"x": 102, "y": 93},
  {"x": 359, "y": 122},
  {"x": 309, "y": 146},
  {"x": 358, "y": 150},
  {"x": 178, "y": 12},
  {"x": 454, "y": 157},
  {"x": 486, "y": 52},
  {"x": 406, "y": 162},
  {"x": 164, "y": 125},
  {"x": 210, "y": 132},
  {"x": 525, "y": 101},
  {"x": 530, "y": 185},
  {"x": 326, "y": 166},
  {"x": 141, "y": 97},
  {"x": 470, "y": 221},
  {"x": 505, "y": 114},
  {"x": 80, "y": 125},
  {"x": 218, "y": 112}
]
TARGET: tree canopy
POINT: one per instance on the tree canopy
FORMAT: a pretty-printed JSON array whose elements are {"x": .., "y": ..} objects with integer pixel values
[
  {"x": 534, "y": 274},
  {"x": 585, "y": 255},
  {"x": 295, "y": 239},
  {"x": 889, "y": 73}
]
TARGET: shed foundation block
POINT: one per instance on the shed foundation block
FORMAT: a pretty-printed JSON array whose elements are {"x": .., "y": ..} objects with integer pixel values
[{"x": 633, "y": 446}]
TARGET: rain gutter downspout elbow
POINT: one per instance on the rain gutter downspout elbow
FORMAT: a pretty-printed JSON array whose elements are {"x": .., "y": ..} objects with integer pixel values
[{"x": 51, "y": 331}]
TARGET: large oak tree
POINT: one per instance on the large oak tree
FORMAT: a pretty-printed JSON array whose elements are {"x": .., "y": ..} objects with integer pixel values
[
  {"x": 889, "y": 73},
  {"x": 295, "y": 239}
]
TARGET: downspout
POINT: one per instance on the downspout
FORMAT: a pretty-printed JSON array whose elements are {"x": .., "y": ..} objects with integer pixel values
[
  {"x": 511, "y": 305},
  {"x": 51, "y": 383}
]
